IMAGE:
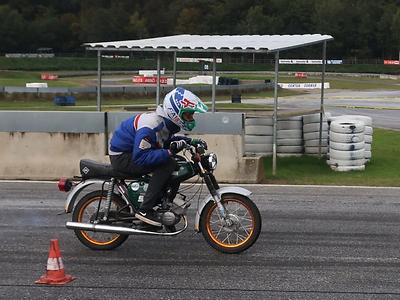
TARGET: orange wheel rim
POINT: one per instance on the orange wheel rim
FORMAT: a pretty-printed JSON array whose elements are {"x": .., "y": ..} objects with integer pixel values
[
  {"x": 88, "y": 234},
  {"x": 230, "y": 236}
]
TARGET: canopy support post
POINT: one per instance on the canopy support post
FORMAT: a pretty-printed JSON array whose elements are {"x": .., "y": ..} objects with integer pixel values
[
  {"x": 214, "y": 82},
  {"x": 158, "y": 79},
  {"x": 174, "y": 71},
  {"x": 275, "y": 116},
  {"x": 98, "y": 80},
  {"x": 321, "y": 113}
]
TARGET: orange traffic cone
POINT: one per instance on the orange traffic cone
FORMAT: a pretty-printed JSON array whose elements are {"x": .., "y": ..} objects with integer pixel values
[{"x": 55, "y": 268}]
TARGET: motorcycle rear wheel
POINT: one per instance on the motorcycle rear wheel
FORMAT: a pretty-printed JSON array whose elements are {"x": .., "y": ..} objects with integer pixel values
[
  {"x": 85, "y": 212},
  {"x": 242, "y": 231}
]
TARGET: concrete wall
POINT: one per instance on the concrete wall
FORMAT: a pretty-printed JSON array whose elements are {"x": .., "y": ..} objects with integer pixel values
[{"x": 49, "y": 155}]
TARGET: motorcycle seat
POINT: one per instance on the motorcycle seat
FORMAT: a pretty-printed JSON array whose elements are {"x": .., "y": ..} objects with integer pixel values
[{"x": 93, "y": 169}]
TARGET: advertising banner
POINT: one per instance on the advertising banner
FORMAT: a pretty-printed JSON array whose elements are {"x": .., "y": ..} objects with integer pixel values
[
  {"x": 309, "y": 61},
  {"x": 304, "y": 86},
  {"x": 196, "y": 60},
  {"x": 46, "y": 76},
  {"x": 391, "y": 62},
  {"x": 148, "y": 79}
]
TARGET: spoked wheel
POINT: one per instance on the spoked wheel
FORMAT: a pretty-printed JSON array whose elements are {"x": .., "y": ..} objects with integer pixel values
[
  {"x": 90, "y": 209},
  {"x": 239, "y": 231}
]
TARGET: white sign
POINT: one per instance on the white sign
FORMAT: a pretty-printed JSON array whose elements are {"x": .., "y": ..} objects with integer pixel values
[
  {"x": 309, "y": 61},
  {"x": 151, "y": 72},
  {"x": 196, "y": 60},
  {"x": 36, "y": 85},
  {"x": 116, "y": 56},
  {"x": 304, "y": 86},
  {"x": 300, "y": 61},
  {"x": 334, "y": 61}
]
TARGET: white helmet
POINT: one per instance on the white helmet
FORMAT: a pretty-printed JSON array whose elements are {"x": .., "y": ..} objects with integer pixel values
[{"x": 179, "y": 101}]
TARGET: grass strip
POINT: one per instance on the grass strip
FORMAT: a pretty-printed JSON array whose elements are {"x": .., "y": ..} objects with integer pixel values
[{"x": 382, "y": 170}]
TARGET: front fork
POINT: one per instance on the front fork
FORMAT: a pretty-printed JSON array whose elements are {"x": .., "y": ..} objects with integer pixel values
[{"x": 213, "y": 186}]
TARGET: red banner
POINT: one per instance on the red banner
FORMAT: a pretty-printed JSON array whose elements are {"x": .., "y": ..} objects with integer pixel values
[
  {"x": 148, "y": 79},
  {"x": 300, "y": 75},
  {"x": 46, "y": 76},
  {"x": 391, "y": 62}
]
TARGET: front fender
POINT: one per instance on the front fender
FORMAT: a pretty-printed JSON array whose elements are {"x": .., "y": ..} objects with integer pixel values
[
  {"x": 74, "y": 193},
  {"x": 221, "y": 191}
]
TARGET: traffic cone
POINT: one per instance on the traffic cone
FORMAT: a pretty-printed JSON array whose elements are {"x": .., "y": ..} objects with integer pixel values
[{"x": 55, "y": 268}]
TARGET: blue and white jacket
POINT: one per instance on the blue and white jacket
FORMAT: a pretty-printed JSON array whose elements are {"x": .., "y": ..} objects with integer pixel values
[{"x": 147, "y": 136}]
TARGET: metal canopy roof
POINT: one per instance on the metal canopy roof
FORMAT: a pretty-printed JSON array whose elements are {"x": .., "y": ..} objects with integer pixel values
[{"x": 213, "y": 43}]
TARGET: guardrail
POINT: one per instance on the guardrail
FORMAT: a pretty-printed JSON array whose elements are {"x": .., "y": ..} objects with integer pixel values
[
  {"x": 106, "y": 122},
  {"x": 138, "y": 90}
]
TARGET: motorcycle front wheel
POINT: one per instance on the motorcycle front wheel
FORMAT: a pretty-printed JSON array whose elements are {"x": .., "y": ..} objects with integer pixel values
[
  {"x": 239, "y": 231},
  {"x": 91, "y": 209}
]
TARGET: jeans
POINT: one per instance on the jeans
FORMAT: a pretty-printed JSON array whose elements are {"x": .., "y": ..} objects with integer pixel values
[{"x": 161, "y": 174}]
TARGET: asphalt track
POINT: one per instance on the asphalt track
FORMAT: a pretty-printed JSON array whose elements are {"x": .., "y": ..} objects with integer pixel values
[
  {"x": 383, "y": 106},
  {"x": 316, "y": 243}
]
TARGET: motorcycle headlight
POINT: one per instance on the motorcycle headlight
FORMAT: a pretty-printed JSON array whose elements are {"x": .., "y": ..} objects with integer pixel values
[{"x": 212, "y": 161}]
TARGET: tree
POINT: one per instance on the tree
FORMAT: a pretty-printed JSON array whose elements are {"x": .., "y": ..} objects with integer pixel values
[{"x": 12, "y": 28}]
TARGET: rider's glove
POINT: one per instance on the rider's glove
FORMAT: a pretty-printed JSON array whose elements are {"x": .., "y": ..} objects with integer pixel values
[
  {"x": 177, "y": 146},
  {"x": 195, "y": 142}
]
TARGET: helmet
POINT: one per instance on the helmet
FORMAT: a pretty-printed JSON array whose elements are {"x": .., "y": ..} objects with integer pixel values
[{"x": 180, "y": 101}]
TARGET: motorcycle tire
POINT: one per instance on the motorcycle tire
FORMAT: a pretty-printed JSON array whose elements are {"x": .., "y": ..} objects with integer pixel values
[
  {"x": 241, "y": 234},
  {"x": 86, "y": 208}
]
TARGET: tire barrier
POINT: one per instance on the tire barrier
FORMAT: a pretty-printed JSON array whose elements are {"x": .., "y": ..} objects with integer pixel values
[
  {"x": 311, "y": 131},
  {"x": 368, "y": 129},
  {"x": 346, "y": 140},
  {"x": 347, "y": 127},
  {"x": 365, "y": 119},
  {"x": 259, "y": 130},
  {"x": 346, "y": 155},
  {"x": 315, "y": 150},
  {"x": 290, "y": 136},
  {"x": 347, "y": 168},
  {"x": 346, "y": 145},
  {"x": 289, "y": 142},
  {"x": 315, "y": 143},
  {"x": 289, "y": 125},
  {"x": 314, "y": 127},
  {"x": 315, "y": 136},
  {"x": 315, "y": 118},
  {"x": 258, "y": 137},
  {"x": 339, "y": 162}
]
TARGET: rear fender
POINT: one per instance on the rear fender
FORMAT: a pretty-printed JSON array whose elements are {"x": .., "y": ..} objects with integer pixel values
[
  {"x": 221, "y": 191},
  {"x": 76, "y": 190}
]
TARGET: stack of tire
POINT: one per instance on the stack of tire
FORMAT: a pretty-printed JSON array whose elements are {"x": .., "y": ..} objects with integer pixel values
[
  {"x": 311, "y": 128},
  {"x": 290, "y": 136},
  {"x": 346, "y": 145},
  {"x": 368, "y": 131},
  {"x": 258, "y": 136}
]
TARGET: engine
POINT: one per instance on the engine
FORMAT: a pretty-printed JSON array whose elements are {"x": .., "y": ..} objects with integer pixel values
[
  {"x": 178, "y": 208},
  {"x": 169, "y": 218}
]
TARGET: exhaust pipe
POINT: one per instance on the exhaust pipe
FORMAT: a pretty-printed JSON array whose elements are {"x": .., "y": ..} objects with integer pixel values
[{"x": 118, "y": 229}]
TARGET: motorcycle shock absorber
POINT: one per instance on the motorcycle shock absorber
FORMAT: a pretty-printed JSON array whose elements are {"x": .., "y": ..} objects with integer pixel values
[{"x": 108, "y": 200}]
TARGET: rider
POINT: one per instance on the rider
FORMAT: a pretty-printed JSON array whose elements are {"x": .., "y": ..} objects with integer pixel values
[{"x": 146, "y": 143}]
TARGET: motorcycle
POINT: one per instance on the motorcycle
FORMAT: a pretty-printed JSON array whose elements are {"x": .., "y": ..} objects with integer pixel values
[{"x": 104, "y": 218}]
